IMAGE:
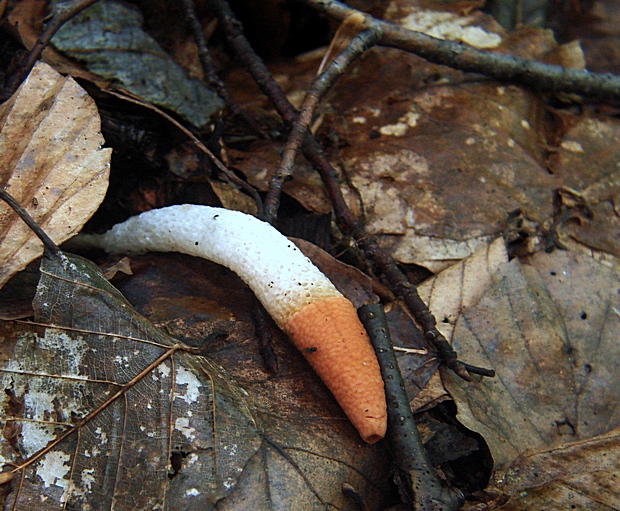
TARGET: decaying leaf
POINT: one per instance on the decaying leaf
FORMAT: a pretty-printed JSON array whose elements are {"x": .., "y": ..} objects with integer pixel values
[
  {"x": 52, "y": 163},
  {"x": 586, "y": 160},
  {"x": 446, "y": 295},
  {"x": 109, "y": 38},
  {"x": 549, "y": 329},
  {"x": 181, "y": 434},
  {"x": 581, "y": 475},
  {"x": 461, "y": 285},
  {"x": 184, "y": 418}
]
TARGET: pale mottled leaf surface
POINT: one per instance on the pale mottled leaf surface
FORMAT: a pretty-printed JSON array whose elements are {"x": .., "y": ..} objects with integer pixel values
[
  {"x": 549, "y": 328},
  {"x": 52, "y": 164}
]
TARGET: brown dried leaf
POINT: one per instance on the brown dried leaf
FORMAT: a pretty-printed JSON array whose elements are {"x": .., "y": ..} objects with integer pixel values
[
  {"x": 586, "y": 160},
  {"x": 549, "y": 329},
  {"x": 52, "y": 163},
  {"x": 438, "y": 171},
  {"x": 446, "y": 295},
  {"x": 461, "y": 285},
  {"x": 581, "y": 475}
]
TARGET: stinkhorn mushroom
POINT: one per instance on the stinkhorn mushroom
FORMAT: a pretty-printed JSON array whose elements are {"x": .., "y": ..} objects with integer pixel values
[{"x": 304, "y": 303}]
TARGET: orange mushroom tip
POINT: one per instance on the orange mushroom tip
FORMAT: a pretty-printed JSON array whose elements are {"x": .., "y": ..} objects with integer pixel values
[{"x": 333, "y": 340}]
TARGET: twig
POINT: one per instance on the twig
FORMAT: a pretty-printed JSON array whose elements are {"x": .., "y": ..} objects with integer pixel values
[
  {"x": 409, "y": 454},
  {"x": 402, "y": 287},
  {"x": 312, "y": 151},
  {"x": 213, "y": 79},
  {"x": 346, "y": 220},
  {"x": 50, "y": 247},
  {"x": 358, "y": 45},
  {"x": 542, "y": 77},
  {"x": 61, "y": 13}
]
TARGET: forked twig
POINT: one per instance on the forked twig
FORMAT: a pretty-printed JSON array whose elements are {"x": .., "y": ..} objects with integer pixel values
[
  {"x": 542, "y": 77},
  {"x": 357, "y": 46}
]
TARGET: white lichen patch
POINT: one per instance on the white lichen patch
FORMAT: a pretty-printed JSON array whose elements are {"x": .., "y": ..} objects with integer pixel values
[
  {"x": 103, "y": 437},
  {"x": 163, "y": 369},
  {"x": 35, "y": 436},
  {"x": 572, "y": 146},
  {"x": 182, "y": 424},
  {"x": 409, "y": 120},
  {"x": 394, "y": 130},
  {"x": 88, "y": 479},
  {"x": 192, "y": 492},
  {"x": 447, "y": 25},
  {"x": 53, "y": 469},
  {"x": 283, "y": 279},
  {"x": 187, "y": 386}
]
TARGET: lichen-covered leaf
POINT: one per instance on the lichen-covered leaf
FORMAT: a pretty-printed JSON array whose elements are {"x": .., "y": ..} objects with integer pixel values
[
  {"x": 178, "y": 437},
  {"x": 181, "y": 433},
  {"x": 52, "y": 164},
  {"x": 108, "y": 37}
]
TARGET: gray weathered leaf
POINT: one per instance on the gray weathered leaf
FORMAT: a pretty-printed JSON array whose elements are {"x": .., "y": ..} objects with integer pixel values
[{"x": 109, "y": 38}]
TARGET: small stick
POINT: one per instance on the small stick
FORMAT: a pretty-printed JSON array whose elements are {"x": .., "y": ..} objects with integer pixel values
[
  {"x": 539, "y": 76},
  {"x": 213, "y": 79},
  {"x": 50, "y": 247},
  {"x": 263, "y": 78},
  {"x": 61, "y": 13},
  {"x": 358, "y": 45},
  {"x": 423, "y": 316},
  {"x": 409, "y": 453}
]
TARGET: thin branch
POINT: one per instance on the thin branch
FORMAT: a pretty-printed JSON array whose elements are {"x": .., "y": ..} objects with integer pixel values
[
  {"x": 263, "y": 78},
  {"x": 347, "y": 221},
  {"x": 213, "y": 79},
  {"x": 61, "y": 13},
  {"x": 50, "y": 247},
  {"x": 402, "y": 287},
  {"x": 534, "y": 74},
  {"x": 409, "y": 453},
  {"x": 358, "y": 45}
]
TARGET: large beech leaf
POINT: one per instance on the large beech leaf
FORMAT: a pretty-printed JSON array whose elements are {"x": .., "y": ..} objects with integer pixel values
[
  {"x": 183, "y": 434},
  {"x": 52, "y": 162},
  {"x": 549, "y": 328}
]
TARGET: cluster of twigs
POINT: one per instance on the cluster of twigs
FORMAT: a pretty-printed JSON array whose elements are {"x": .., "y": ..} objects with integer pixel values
[{"x": 372, "y": 32}]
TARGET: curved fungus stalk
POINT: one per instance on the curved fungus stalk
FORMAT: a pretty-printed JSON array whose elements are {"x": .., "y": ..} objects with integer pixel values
[{"x": 303, "y": 302}]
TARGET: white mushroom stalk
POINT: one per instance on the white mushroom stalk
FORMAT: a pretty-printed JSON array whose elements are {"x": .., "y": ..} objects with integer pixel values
[{"x": 303, "y": 302}]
